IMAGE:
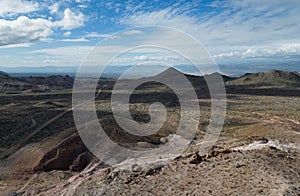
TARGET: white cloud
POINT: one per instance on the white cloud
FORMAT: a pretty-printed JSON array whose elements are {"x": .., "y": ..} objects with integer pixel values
[
  {"x": 82, "y": 1},
  {"x": 24, "y": 45},
  {"x": 54, "y": 8},
  {"x": 96, "y": 35},
  {"x": 67, "y": 34},
  {"x": 82, "y": 39},
  {"x": 286, "y": 50},
  {"x": 155, "y": 58},
  {"x": 71, "y": 20},
  {"x": 13, "y": 7},
  {"x": 25, "y": 30},
  {"x": 132, "y": 32},
  {"x": 51, "y": 61},
  {"x": 82, "y": 6},
  {"x": 166, "y": 17},
  {"x": 235, "y": 27},
  {"x": 63, "y": 56},
  {"x": 71, "y": 51},
  {"x": 46, "y": 39},
  {"x": 78, "y": 52},
  {"x": 74, "y": 55}
]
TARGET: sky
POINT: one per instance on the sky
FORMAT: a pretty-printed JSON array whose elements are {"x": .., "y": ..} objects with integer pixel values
[{"x": 247, "y": 35}]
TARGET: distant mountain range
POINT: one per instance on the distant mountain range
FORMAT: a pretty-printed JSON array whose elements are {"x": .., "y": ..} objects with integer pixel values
[
  {"x": 10, "y": 84},
  {"x": 109, "y": 71},
  {"x": 2, "y": 73},
  {"x": 114, "y": 71},
  {"x": 273, "y": 78},
  {"x": 271, "y": 83}
]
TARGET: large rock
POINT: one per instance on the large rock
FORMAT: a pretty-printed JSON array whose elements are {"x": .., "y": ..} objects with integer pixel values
[
  {"x": 81, "y": 161},
  {"x": 64, "y": 155}
]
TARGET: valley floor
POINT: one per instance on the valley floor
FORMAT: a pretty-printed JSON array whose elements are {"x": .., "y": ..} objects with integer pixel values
[{"x": 258, "y": 153}]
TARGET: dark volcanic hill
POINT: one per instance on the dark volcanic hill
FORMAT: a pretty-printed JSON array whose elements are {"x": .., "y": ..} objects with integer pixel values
[
  {"x": 273, "y": 78},
  {"x": 53, "y": 82},
  {"x": 194, "y": 79},
  {"x": 2, "y": 73},
  {"x": 199, "y": 83},
  {"x": 14, "y": 85},
  {"x": 270, "y": 83}
]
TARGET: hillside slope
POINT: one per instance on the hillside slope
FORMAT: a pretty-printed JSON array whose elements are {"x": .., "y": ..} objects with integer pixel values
[
  {"x": 271, "y": 78},
  {"x": 13, "y": 85}
]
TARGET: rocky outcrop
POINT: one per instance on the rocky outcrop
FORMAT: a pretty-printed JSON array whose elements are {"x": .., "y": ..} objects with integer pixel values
[
  {"x": 81, "y": 161},
  {"x": 71, "y": 153}
]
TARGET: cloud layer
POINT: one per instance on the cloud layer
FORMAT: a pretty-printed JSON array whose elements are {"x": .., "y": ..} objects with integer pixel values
[
  {"x": 235, "y": 29},
  {"x": 63, "y": 32},
  {"x": 25, "y": 30},
  {"x": 13, "y": 7}
]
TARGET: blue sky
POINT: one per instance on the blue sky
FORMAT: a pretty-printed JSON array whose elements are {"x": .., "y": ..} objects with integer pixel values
[{"x": 241, "y": 34}]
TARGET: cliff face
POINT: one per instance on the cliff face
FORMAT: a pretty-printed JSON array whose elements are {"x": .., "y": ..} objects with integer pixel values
[{"x": 68, "y": 154}]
